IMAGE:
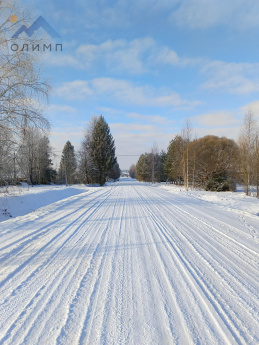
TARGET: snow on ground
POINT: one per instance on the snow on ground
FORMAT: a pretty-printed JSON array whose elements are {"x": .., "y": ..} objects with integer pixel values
[
  {"x": 21, "y": 200},
  {"x": 235, "y": 201},
  {"x": 129, "y": 264}
]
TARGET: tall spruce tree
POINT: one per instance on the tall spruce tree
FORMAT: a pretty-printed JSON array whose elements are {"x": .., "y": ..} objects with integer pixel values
[{"x": 102, "y": 149}]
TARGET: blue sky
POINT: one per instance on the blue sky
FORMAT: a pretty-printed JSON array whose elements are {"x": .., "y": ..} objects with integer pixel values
[{"x": 146, "y": 66}]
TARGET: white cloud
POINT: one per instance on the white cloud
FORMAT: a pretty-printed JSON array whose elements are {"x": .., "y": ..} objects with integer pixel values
[
  {"x": 235, "y": 78},
  {"x": 220, "y": 132},
  {"x": 122, "y": 91},
  {"x": 77, "y": 89},
  {"x": 144, "y": 55},
  {"x": 138, "y": 56},
  {"x": 224, "y": 123},
  {"x": 116, "y": 56},
  {"x": 254, "y": 107},
  {"x": 216, "y": 119}
]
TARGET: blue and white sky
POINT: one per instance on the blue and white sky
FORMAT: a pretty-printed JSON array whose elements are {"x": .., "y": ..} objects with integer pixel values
[{"x": 148, "y": 65}]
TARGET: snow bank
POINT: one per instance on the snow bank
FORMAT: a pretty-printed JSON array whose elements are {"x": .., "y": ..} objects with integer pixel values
[
  {"x": 237, "y": 201},
  {"x": 19, "y": 201}
]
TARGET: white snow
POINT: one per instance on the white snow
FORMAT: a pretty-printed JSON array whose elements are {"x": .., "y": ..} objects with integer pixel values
[
  {"x": 18, "y": 201},
  {"x": 234, "y": 201},
  {"x": 130, "y": 263}
]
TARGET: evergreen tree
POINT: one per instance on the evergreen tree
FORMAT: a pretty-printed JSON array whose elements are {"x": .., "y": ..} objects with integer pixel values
[
  {"x": 102, "y": 149},
  {"x": 162, "y": 159},
  {"x": 68, "y": 164},
  {"x": 45, "y": 173},
  {"x": 87, "y": 170},
  {"x": 115, "y": 172}
]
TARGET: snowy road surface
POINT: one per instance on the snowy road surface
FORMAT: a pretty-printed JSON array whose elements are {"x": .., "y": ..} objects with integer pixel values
[{"x": 129, "y": 264}]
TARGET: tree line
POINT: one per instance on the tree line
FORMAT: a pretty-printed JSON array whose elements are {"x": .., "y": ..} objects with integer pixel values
[
  {"x": 210, "y": 162},
  {"x": 30, "y": 159}
]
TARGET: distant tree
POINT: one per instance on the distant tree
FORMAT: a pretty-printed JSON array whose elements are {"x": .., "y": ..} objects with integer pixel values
[
  {"x": 132, "y": 171},
  {"x": 68, "y": 164},
  {"x": 155, "y": 164},
  {"x": 115, "y": 172},
  {"x": 162, "y": 159},
  {"x": 143, "y": 168},
  {"x": 149, "y": 167},
  {"x": 173, "y": 166}
]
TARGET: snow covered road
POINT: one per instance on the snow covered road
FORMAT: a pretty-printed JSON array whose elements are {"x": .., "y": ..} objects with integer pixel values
[{"x": 129, "y": 264}]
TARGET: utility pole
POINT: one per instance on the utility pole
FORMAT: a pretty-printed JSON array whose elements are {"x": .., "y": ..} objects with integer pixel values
[{"x": 65, "y": 167}]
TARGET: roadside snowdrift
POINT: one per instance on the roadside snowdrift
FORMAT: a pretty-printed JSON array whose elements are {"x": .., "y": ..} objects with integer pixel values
[
  {"x": 236, "y": 201},
  {"x": 21, "y": 200}
]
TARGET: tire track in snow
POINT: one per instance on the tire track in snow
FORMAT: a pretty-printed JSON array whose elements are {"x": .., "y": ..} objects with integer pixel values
[
  {"x": 107, "y": 313},
  {"x": 24, "y": 266},
  {"x": 174, "y": 328},
  {"x": 236, "y": 254},
  {"x": 48, "y": 261},
  {"x": 143, "y": 274},
  {"x": 167, "y": 284},
  {"x": 217, "y": 304},
  {"x": 40, "y": 213},
  {"x": 193, "y": 235},
  {"x": 229, "y": 228},
  {"x": 22, "y": 242},
  {"x": 77, "y": 319}
]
